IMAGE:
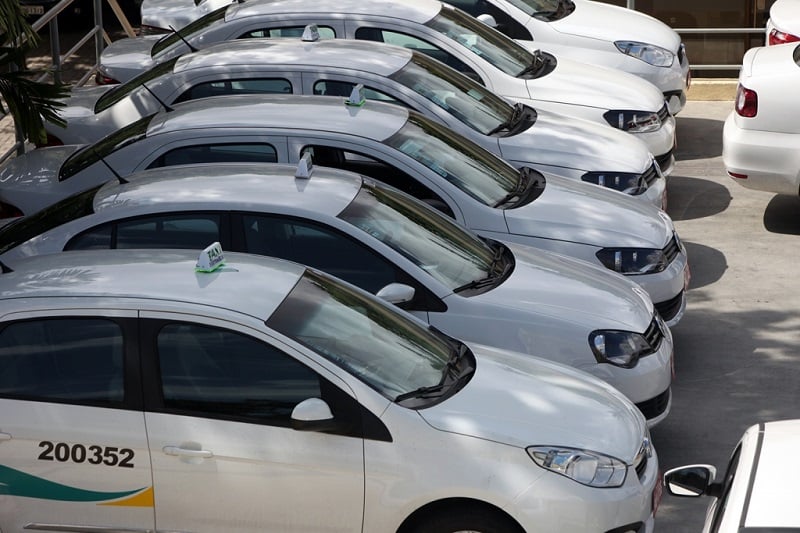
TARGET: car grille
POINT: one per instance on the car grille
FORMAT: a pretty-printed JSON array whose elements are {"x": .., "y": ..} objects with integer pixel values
[
  {"x": 654, "y": 406},
  {"x": 653, "y": 335},
  {"x": 663, "y": 113},
  {"x": 650, "y": 175},
  {"x": 664, "y": 159},
  {"x": 670, "y": 308},
  {"x": 672, "y": 249}
]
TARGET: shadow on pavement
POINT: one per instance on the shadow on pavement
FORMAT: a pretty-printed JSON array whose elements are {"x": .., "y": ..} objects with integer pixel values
[
  {"x": 706, "y": 264},
  {"x": 691, "y": 198},
  {"x": 781, "y": 215},
  {"x": 698, "y": 138}
]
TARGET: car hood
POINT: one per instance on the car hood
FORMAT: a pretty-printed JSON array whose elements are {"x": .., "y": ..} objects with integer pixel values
[
  {"x": 785, "y": 16},
  {"x": 582, "y": 84},
  {"x": 609, "y": 23},
  {"x": 563, "y": 141},
  {"x": 521, "y": 400},
  {"x": 766, "y": 61},
  {"x": 574, "y": 211},
  {"x": 570, "y": 290},
  {"x": 125, "y": 58},
  {"x": 81, "y": 101}
]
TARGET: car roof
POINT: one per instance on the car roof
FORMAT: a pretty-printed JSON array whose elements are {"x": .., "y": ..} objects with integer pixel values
[
  {"x": 233, "y": 186},
  {"x": 341, "y": 53},
  {"x": 249, "y": 284},
  {"x": 419, "y": 11},
  {"x": 373, "y": 120},
  {"x": 773, "y": 500}
]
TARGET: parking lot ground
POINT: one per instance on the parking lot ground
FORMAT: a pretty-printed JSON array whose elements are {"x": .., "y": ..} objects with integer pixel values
[{"x": 736, "y": 350}]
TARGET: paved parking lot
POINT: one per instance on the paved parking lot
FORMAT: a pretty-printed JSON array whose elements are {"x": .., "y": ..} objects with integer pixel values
[{"x": 736, "y": 348}]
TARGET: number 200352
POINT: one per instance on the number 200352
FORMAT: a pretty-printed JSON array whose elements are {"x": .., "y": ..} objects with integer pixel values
[{"x": 92, "y": 454}]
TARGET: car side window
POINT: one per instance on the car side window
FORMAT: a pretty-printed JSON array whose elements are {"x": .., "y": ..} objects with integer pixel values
[
  {"x": 414, "y": 43},
  {"x": 194, "y": 231},
  {"x": 505, "y": 23},
  {"x": 325, "y": 32},
  {"x": 344, "y": 88},
  {"x": 319, "y": 247},
  {"x": 75, "y": 360},
  {"x": 228, "y": 87},
  {"x": 224, "y": 374},
  {"x": 727, "y": 482},
  {"x": 218, "y": 153},
  {"x": 362, "y": 164}
]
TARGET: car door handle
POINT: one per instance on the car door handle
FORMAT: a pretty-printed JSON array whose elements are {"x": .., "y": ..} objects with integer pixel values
[{"x": 185, "y": 452}]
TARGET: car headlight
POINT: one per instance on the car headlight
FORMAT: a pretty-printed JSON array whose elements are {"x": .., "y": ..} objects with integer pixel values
[
  {"x": 633, "y": 121},
  {"x": 649, "y": 53},
  {"x": 633, "y": 261},
  {"x": 619, "y": 348},
  {"x": 585, "y": 467},
  {"x": 626, "y": 182}
]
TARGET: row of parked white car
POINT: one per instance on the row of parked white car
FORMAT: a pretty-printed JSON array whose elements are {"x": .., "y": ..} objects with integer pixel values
[{"x": 494, "y": 346}]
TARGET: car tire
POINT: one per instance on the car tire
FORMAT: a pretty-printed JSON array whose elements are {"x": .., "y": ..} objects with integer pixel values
[{"x": 463, "y": 520}]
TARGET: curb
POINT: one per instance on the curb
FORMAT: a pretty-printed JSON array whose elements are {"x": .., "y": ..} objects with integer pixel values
[{"x": 712, "y": 89}]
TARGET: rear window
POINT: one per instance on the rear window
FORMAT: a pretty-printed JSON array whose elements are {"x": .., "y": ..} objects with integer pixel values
[{"x": 118, "y": 92}]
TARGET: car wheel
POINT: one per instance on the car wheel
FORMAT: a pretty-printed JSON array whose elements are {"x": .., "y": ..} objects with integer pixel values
[{"x": 467, "y": 521}]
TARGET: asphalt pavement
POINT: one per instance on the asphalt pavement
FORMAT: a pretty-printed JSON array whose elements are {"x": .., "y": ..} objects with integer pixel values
[{"x": 736, "y": 349}]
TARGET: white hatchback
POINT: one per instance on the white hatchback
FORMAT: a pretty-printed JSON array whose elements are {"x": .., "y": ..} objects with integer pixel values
[
  {"x": 388, "y": 243},
  {"x": 541, "y": 80},
  {"x": 757, "y": 493},
  {"x": 259, "y": 395},
  {"x": 783, "y": 25},
  {"x": 761, "y": 135}
]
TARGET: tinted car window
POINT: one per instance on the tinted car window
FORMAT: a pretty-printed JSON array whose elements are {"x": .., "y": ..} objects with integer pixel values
[
  {"x": 344, "y": 88},
  {"x": 118, "y": 92},
  {"x": 75, "y": 360},
  {"x": 218, "y": 153},
  {"x": 169, "y": 231},
  {"x": 226, "y": 87},
  {"x": 219, "y": 372},
  {"x": 325, "y": 32},
  {"x": 319, "y": 247}
]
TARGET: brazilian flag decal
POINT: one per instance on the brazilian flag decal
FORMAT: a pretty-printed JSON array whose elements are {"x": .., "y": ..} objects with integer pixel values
[{"x": 17, "y": 483}]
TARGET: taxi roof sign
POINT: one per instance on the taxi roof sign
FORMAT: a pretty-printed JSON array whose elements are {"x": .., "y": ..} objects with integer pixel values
[
  {"x": 304, "y": 167},
  {"x": 210, "y": 259},
  {"x": 310, "y": 33},
  {"x": 357, "y": 96}
]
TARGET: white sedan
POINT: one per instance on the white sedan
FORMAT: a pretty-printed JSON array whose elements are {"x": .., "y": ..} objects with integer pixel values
[
  {"x": 388, "y": 243},
  {"x": 597, "y": 33},
  {"x": 756, "y": 493},
  {"x": 149, "y": 387},
  {"x": 394, "y": 145},
  {"x": 783, "y": 25},
  {"x": 523, "y": 136},
  {"x": 761, "y": 136},
  {"x": 540, "y": 80}
]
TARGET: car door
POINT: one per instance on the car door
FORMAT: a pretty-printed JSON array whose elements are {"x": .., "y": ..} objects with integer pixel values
[
  {"x": 225, "y": 456},
  {"x": 73, "y": 448}
]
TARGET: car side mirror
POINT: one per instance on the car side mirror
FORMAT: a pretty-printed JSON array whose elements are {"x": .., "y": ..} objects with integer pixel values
[
  {"x": 487, "y": 19},
  {"x": 313, "y": 414},
  {"x": 690, "y": 481},
  {"x": 396, "y": 293}
]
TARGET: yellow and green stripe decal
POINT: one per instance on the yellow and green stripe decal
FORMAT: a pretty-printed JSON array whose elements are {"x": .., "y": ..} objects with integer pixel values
[{"x": 16, "y": 483}]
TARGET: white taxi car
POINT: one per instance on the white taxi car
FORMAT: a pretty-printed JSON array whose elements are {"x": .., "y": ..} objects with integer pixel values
[
  {"x": 597, "y": 33},
  {"x": 783, "y": 24},
  {"x": 374, "y": 236},
  {"x": 607, "y": 96},
  {"x": 757, "y": 492},
  {"x": 394, "y": 145},
  {"x": 761, "y": 135},
  {"x": 261, "y": 395},
  {"x": 550, "y": 142}
]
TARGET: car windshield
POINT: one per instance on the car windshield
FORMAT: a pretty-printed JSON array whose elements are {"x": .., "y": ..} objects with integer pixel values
[
  {"x": 25, "y": 228},
  {"x": 118, "y": 92},
  {"x": 463, "y": 98},
  {"x": 475, "y": 171},
  {"x": 92, "y": 153},
  {"x": 485, "y": 42},
  {"x": 427, "y": 238},
  {"x": 370, "y": 339},
  {"x": 215, "y": 17}
]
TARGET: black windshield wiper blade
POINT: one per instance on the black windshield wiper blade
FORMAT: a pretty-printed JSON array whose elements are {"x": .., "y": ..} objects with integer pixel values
[
  {"x": 451, "y": 370},
  {"x": 513, "y": 120},
  {"x": 537, "y": 63},
  {"x": 522, "y": 186},
  {"x": 492, "y": 276},
  {"x": 422, "y": 392}
]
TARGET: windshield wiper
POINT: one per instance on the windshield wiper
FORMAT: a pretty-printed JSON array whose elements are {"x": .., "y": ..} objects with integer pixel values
[
  {"x": 451, "y": 375},
  {"x": 492, "y": 275},
  {"x": 552, "y": 14},
  {"x": 516, "y": 115},
  {"x": 537, "y": 64},
  {"x": 521, "y": 187}
]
